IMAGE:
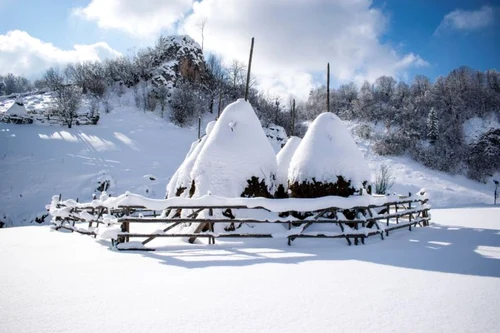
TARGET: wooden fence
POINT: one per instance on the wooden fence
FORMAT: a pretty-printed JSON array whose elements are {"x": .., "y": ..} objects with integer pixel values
[{"x": 361, "y": 221}]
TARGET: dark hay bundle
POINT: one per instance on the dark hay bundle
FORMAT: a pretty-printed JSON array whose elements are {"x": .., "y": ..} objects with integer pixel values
[
  {"x": 315, "y": 189},
  {"x": 256, "y": 188}
]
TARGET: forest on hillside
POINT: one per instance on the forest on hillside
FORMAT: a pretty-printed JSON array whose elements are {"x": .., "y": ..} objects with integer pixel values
[{"x": 424, "y": 118}]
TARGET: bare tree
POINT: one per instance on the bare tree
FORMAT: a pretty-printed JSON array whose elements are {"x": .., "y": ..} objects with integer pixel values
[
  {"x": 384, "y": 180},
  {"x": 201, "y": 26},
  {"x": 67, "y": 98}
]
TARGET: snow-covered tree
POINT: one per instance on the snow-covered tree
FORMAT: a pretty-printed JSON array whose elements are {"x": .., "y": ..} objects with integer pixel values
[{"x": 432, "y": 126}]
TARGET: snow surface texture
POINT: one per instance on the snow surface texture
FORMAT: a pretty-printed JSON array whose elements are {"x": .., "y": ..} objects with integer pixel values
[
  {"x": 236, "y": 150},
  {"x": 283, "y": 159},
  {"x": 328, "y": 151},
  {"x": 442, "y": 278}
]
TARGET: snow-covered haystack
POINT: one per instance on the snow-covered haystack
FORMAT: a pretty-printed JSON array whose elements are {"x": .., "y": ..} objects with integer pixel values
[
  {"x": 181, "y": 182},
  {"x": 327, "y": 161},
  {"x": 277, "y": 136},
  {"x": 283, "y": 160},
  {"x": 237, "y": 158},
  {"x": 17, "y": 109}
]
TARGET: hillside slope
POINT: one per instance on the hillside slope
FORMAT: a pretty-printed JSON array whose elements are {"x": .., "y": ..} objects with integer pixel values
[{"x": 129, "y": 146}]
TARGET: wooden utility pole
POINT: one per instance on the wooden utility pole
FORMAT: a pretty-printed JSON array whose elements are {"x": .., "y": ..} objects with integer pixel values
[
  {"x": 292, "y": 130},
  {"x": 249, "y": 69},
  {"x": 328, "y": 87}
]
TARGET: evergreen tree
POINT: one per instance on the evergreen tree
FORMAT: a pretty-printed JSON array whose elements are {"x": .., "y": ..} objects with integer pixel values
[{"x": 432, "y": 126}]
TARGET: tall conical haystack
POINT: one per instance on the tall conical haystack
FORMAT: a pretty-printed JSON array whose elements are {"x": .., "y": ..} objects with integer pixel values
[
  {"x": 327, "y": 161},
  {"x": 237, "y": 159},
  {"x": 181, "y": 181}
]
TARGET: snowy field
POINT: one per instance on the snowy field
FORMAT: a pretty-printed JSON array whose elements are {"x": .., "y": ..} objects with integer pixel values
[{"x": 442, "y": 278}]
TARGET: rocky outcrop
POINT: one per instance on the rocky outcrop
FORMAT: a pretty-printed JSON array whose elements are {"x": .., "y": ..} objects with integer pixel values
[{"x": 177, "y": 57}]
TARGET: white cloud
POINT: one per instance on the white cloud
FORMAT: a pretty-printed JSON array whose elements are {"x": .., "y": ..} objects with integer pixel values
[
  {"x": 295, "y": 39},
  {"x": 466, "y": 20},
  {"x": 139, "y": 18},
  {"x": 22, "y": 54}
]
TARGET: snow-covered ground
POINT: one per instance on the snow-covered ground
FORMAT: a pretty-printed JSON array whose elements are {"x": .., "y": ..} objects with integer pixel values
[{"x": 441, "y": 278}]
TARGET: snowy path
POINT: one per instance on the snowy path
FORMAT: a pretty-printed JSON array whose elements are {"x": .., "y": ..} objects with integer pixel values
[{"x": 443, "y": 278}]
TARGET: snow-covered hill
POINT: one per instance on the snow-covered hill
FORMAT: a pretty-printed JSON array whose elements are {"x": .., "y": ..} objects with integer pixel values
[
  {"x": 131, "y": 149},
  {"x": 139, "y": 152}
]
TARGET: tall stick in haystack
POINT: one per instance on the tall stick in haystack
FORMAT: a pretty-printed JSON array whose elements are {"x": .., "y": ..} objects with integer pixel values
[
  {"x": 328, "y": 87},
  {"x": 292, "y": 130},
  {"x": 199, "y": 128},
  {"x": 249, "y": 69},
  {"x": 219, "y": 107}
]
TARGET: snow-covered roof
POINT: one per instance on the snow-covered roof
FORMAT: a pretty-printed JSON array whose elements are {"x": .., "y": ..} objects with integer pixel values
[
  {"x": 236, "y": 150},
  {"x": 284, "y": 157},
  {"x": 328, "y": 151},
  {"x": 17, "y": 109}
]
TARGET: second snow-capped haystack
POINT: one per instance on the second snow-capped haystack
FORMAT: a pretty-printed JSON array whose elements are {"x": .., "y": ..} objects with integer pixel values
[
  {"x": 237, "y": 158},
  {"x": 283, "y": 160},
  {"x": 181, "y": 183},
  {"x": 327, "y": 161}
]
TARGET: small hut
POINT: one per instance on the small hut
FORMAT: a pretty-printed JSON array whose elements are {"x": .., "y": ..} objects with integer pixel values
[{"x": 17, "y": 113}]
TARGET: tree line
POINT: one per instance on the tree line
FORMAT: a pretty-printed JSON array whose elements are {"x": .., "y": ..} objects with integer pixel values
[{"x": 424, "y": 119}]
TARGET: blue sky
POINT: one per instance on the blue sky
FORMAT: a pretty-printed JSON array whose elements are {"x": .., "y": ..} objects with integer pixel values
[{"x": 362, "y": 39}]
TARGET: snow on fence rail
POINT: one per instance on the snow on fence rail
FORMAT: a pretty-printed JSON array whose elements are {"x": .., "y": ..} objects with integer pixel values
[{"x": 356, "y": 217}]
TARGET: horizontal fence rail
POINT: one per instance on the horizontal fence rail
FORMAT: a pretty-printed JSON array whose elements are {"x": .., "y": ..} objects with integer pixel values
[{"x": 114, "y": 217}]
